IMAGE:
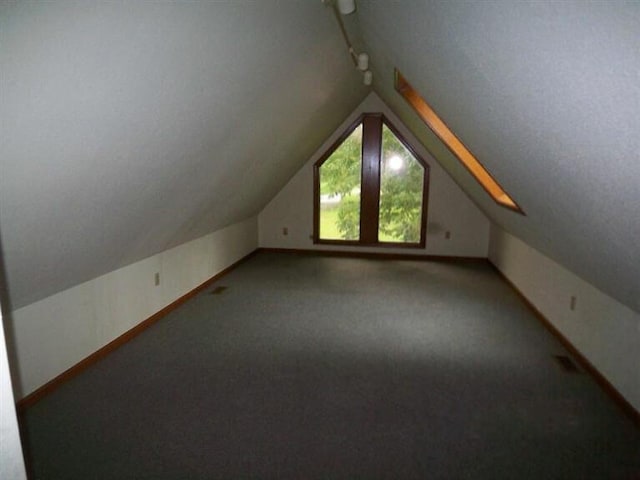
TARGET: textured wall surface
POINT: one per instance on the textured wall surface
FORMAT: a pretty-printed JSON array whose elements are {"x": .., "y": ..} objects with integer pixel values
[
  {"x": 605, "y": 331},
  {"x": 546, "y": 94},
  {"x": 11, "y": 461},
  {"x": 128, "y": 128},
  {"x": 131, "y": 127},
  {"x": 449, "y": 209},
  {"x": 55, "y": 333}
]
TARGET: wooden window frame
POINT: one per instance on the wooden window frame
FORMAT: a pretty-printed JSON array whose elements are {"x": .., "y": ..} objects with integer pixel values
[
  {"x": 371, "y": 156},
  {"x": 454, "y": 144}
]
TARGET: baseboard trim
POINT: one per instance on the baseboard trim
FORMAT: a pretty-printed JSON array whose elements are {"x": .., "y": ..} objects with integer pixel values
[
  {"x": 375, "y": 255},
  {"x": 82, "y": 365},
  {"x": 586, "y": 365},
  {"x": 76, "y": 369}
]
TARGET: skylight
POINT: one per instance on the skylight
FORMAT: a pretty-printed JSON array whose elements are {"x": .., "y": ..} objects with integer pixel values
[{"x": 430, "y": 117}]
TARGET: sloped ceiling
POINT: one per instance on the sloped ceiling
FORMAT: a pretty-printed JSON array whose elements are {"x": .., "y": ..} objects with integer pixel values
[
  {"x": 131, "y": 127},
  {"x": 547, "y": 96}
]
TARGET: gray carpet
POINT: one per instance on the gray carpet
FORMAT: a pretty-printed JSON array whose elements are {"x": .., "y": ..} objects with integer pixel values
[{"x": 333, "y": 368}]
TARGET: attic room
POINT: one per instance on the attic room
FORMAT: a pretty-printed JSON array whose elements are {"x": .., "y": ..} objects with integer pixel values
[{"x": 186, "y": 292}]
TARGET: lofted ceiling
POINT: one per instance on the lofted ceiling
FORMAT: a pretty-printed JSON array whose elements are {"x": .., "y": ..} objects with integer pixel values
[
  {"x": 546, "y": 94},
  {"x": 131, "y": 127}
]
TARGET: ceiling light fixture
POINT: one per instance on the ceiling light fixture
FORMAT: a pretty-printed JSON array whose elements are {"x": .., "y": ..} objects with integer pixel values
[
  {"x": 346, "y": 6},
  {"x": 361, "y": 61},
  {"x": 367, "y": 78}
]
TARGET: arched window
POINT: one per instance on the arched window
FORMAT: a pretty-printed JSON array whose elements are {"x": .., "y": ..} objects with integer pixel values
[
  {"x": 454, "y": 144},
  {"x": 370, "y": 188}
]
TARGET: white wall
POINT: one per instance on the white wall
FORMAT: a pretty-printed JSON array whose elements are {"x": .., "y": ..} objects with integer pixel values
[
  {"x": 11, "y": 461},
  {"x": 449, "y": 208},
  {"x": 54, "y": 334},
  {"x": 605, "y": 331}
]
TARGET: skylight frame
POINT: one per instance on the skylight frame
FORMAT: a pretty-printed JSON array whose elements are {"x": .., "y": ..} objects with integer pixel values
[{"x": 454, "y": 144}]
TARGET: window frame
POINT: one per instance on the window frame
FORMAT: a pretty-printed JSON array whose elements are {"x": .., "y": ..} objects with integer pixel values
[{"x": 371, "y": 155}]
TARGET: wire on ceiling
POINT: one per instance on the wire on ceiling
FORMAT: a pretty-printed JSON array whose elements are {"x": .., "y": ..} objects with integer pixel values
[{"x": 360, "y": 60}]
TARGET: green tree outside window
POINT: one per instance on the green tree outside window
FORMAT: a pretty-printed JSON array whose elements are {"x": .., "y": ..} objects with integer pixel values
[{"x": 402, "y": 183}]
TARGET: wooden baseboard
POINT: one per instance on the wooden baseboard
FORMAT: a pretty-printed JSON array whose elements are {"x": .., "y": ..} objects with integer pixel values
[
  {"x": 71, "y": 372},
  {"x": 375, "y": 255},
  {"x": 586, "y": 365},
  {"x": 50, "y": 386}
]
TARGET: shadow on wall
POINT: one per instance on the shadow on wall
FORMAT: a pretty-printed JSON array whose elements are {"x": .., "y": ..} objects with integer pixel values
[{"x": 7, "y": 324}]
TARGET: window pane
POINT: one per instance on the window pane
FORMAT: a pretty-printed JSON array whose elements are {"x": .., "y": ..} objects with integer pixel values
[
  {"x": 401, "y": 186},
  {"x": 340, "y": 190}
]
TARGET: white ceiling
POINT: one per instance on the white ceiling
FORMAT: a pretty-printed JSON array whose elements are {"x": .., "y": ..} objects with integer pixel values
[
  {"x": 547, "y": 96},
  {"x": 130, "y": 127}
]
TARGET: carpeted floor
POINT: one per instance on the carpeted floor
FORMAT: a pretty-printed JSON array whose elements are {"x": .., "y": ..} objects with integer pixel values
[{"x": 332, "y": 368}]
